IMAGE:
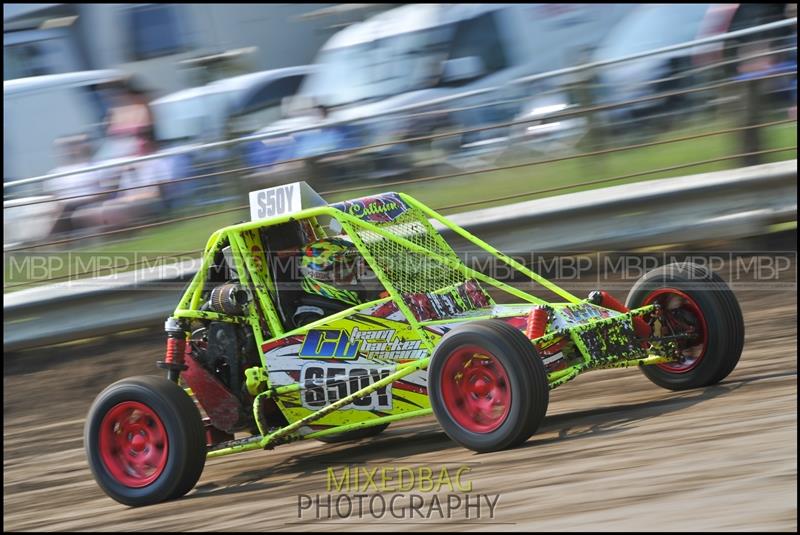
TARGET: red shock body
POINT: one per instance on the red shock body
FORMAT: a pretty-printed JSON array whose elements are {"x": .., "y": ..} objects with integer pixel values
[
  {"x": 176, "y": 349},
  {"x": 174, "y": 358},
  {"x": 537, "y": 323}
]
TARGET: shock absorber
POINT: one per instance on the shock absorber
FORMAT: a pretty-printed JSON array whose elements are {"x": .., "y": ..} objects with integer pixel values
[
  {"x": 537, "y": 323},
  {"x": 605, "y": 299},
  {"x": 176, "y": 350}
]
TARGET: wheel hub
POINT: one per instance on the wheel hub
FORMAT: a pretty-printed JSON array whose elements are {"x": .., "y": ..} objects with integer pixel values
[
  {"x": 476, "y": 389},
  {"x": 680, "y": 314},
  {"x": 133, "y": 444},
  {"x": 138, "y": 443}
]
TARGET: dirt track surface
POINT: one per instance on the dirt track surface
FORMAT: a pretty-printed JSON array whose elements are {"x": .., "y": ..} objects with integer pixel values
[{"x": 615, "y": 453}]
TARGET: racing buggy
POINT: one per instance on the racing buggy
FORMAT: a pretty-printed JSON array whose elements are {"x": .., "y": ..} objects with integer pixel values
[{"x": 271, "y": 342}]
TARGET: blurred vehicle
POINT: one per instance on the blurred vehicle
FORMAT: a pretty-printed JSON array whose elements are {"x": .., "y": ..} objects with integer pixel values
[
  {"x": 29, "y": 223},
  {"x": 65, "y": 123},
  {"x": 226, "y": 108},
  {"x": 543, "y": 133},
  {"x": 38, "y": 39},
  {"x": 648, "y": 27},
  {"x": 415, "y": 54},
  {"x": 656, "y": 26},
  {"x": 41, "y": 109},
  {"x": 38, "y": 112},
  {"x": 223, "y": 109}
]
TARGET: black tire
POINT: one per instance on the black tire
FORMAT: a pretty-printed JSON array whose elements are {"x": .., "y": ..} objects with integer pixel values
[
  {"x": 529, "y": 388},
  {"x": 357, "y": 434},
  {"x": 722, "y": 315},
  {"x": 182, "y": 423}
]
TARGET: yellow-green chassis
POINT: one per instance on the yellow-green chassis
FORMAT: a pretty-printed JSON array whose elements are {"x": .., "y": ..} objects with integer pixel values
[{"x": 258, "y": 378}]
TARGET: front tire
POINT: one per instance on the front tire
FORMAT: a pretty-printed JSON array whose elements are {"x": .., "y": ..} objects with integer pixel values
[
  {"x": 145, "y": 441},
  {"x": 488, "y": 386},
  {"x": 696, "y": 301}
]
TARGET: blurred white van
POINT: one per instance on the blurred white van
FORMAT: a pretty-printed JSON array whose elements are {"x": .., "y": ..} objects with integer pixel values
[
  {"x": 224, "y": 108},
  {"x": 422, "y": 52},
  {"x": 41, "y": 109},
  {"x": 439, "y": 49}
]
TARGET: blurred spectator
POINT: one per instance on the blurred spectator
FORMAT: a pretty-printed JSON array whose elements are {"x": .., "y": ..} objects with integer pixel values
[
  {"x": 130, "y": 113},
  {"x": 755, "y": 57},
  {"x": 76, "y": 152},
  {"x": 770, "y": 56},
  {"x": 132, "y": 206},
  {"x": 175, "y": 194},
  {"x": 129, "y": 134},
  {"x": 130, "y": 122}
]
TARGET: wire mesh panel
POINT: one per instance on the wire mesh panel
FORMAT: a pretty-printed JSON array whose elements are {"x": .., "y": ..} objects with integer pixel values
[{"x": 430, "y": 285}]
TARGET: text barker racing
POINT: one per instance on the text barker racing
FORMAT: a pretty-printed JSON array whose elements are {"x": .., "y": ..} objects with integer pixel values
[{"x": 379, "y": 344}]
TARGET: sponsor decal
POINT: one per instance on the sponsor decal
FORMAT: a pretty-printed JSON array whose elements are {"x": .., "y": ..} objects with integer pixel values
[
  {"x": 340, "y": 344},
  {"x": 382, "y": 209}
]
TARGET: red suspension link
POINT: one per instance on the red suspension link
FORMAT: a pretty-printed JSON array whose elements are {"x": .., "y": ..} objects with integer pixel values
[{"x": 639, "y": 325}]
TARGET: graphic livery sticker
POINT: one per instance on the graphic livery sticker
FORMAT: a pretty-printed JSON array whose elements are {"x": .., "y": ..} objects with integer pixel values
[
  {"x": 379, "y": 209},
  {"x": 576, "y": 314},
  {"x": 448, "y": 302},
  {"x": 340, "y": 344}
]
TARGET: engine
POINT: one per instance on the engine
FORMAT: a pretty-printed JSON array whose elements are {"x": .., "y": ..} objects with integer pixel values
[{"x": 219, "y": 352}]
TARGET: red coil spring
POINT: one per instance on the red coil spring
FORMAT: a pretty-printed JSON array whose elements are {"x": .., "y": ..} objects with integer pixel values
[
  {"x": 176, "y": 348},
  {"x": 537, "y": 323}
]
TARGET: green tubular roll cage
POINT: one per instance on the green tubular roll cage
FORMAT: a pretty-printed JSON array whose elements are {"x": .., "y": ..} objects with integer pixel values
[{"x": 189, "y": 309}]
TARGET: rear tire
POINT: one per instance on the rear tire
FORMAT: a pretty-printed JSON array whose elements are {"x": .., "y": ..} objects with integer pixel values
[
  {"x": 488, "y": 386},
  {"x": 145, "y": 441},
  {"x": 702, "y": 301}
]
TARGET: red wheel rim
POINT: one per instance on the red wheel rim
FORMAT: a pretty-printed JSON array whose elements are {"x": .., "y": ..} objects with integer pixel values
[
  {"x": 682, "y": 314},
  {"x": 133, "y": 444},
  {"x": 475, "y": 389}
]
